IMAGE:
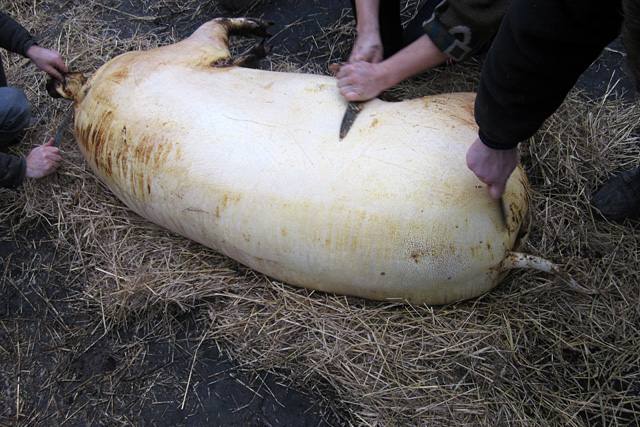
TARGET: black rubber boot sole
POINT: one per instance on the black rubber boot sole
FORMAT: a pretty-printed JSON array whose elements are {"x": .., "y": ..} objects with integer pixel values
[{"x": 619, "y": 197}]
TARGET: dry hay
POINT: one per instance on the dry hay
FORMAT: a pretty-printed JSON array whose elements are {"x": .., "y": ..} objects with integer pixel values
[{"x": 530, "y": 352}]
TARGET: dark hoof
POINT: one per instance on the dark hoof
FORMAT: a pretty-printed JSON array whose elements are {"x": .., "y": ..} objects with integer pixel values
[
  {"x": 250, "y": 27},
  {"x": 252, "y": 57}
]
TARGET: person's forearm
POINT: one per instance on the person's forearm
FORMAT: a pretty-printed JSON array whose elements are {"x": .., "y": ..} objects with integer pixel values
[
  {"x": 420, "y": 56},
  {"x": 368, "y": 19}
]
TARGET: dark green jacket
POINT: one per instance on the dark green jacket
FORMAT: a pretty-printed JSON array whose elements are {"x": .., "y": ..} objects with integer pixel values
[{"x": 462, "y": 28}]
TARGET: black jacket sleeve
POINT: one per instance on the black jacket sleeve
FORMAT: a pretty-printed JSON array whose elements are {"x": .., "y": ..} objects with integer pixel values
[
  {"x": 13, "y": 36},
  {"x": 540, "y": 51},
  {"x": 12, "y": 170}
]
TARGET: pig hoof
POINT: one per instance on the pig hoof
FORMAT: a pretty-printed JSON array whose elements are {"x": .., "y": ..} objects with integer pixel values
[
  {"x": 252, "y": 57},
  {"x": 247, "y": 27}
]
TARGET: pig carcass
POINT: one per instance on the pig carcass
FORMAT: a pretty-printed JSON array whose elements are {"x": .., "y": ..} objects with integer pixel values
[{"x": 250, "y": 163}]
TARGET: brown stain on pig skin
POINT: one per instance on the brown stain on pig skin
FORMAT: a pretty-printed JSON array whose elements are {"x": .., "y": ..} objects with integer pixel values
[
  {"x": 120, "y": 75},
  {"x": 468, "y": 108},
  {"x": 109, "y": 146},
  {"x": 432, "y": 252},
  {"x": 518, "y": 214},
  {"x": 465, "y": 109},
  {"x": 93, "y": 137},
  {"x": 469, "y": 120},
  {"x": 227, "y": 200}
]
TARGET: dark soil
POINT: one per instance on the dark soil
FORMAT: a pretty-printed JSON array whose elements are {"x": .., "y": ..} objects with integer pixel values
[
  {"x": 66, "y": 374},
  {"x": 57, "y": 366}
]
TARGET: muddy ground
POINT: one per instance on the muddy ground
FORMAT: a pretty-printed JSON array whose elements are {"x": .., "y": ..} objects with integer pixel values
[{"x": 54, "y": 373}]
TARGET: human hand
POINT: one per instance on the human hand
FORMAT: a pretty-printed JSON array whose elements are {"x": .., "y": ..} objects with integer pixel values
[
  {"x": 359, "y": 81},
  {"x": 367, "y": 48},
  {"x": 43, "y": 160},
  {"x": 491, "y": 166},
  {"x": 48, "y": 60}
]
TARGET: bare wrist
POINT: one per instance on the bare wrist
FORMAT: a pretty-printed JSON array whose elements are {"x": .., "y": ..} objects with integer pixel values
[
  {"x": 30, "y": 51},
  {"x": 368, "y": 28},
  {"x": 387, "y": 75}
]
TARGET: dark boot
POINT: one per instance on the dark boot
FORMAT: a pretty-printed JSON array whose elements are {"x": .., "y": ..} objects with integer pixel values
[{"x": 619, "y": 197}]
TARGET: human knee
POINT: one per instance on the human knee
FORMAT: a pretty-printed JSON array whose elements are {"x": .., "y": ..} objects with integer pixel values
[{"x": 15, "y": 110}]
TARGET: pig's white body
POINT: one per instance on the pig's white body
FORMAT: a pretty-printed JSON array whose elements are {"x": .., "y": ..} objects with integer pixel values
[{"x": 250, "y": 163}]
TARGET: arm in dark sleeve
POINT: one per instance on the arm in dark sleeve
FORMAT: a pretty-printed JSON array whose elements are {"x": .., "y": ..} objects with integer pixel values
[
  {"x": 540, "y": 51},
  {"x": 461, "y": 28},
  {"x": 12, "y": 170},
  {"x": 13, "y": 36}
]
